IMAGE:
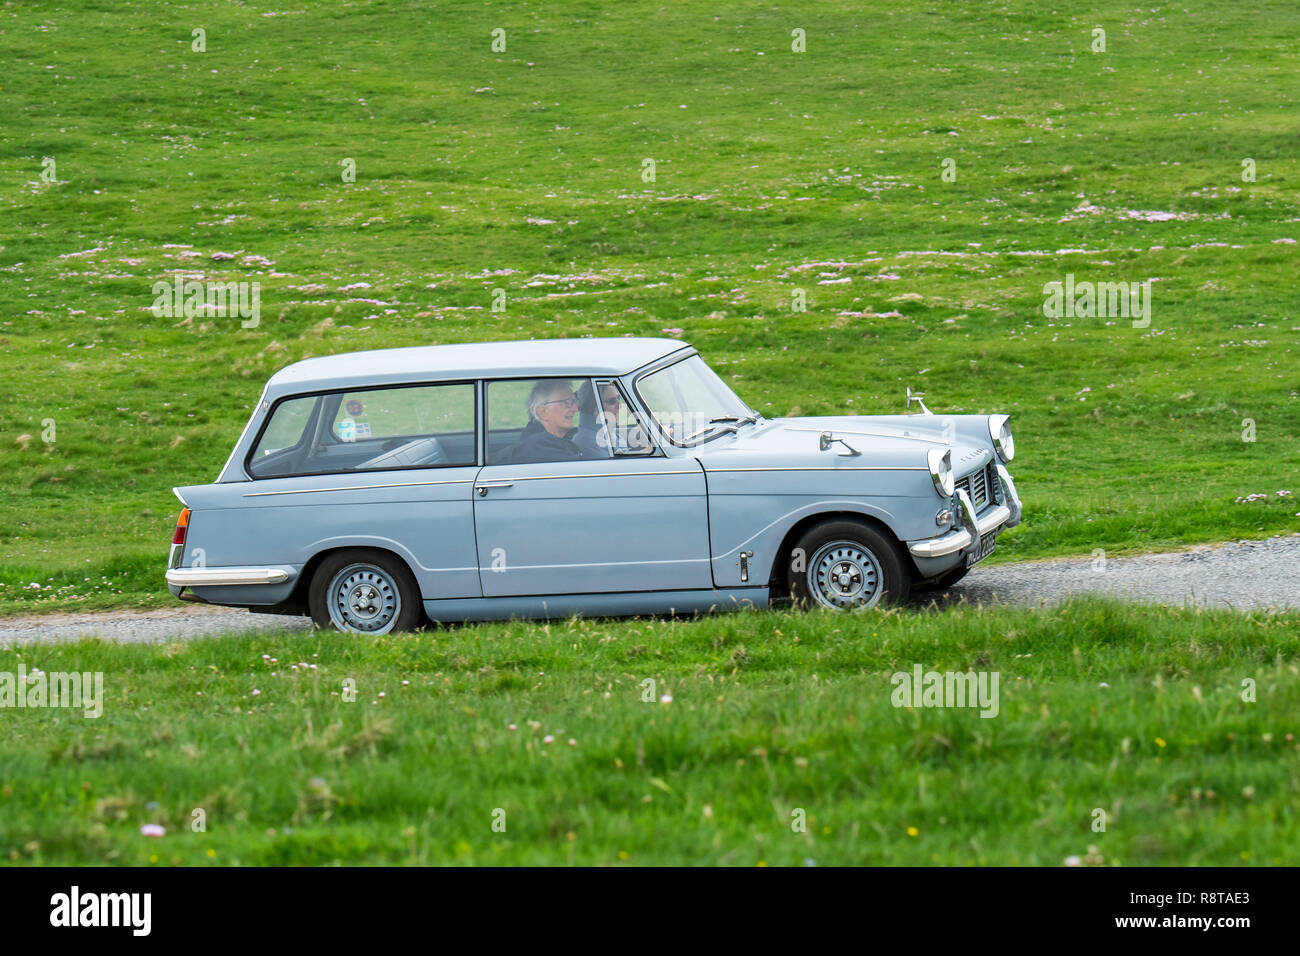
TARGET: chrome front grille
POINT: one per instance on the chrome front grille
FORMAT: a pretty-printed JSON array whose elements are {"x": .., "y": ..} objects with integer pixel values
[{"x": 981, "y": 486}]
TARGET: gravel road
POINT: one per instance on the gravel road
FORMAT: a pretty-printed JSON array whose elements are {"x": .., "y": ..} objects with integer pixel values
[
  {"x": 1242, "y": 575},
  {"x": 153, "y": 627}
]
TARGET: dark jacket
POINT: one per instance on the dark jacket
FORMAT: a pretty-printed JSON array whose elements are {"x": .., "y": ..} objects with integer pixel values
[{"x": 537, "y": 444}]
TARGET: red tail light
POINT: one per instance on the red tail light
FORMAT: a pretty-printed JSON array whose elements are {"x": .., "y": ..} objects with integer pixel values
[{"x": 182, "y": 526}]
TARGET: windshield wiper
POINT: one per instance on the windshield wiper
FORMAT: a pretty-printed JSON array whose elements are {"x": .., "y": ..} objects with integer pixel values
[{"x": 730, "y": 421}]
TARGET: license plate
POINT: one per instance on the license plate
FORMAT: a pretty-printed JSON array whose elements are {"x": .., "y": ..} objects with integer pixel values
[{"x": 986, "y": 546}]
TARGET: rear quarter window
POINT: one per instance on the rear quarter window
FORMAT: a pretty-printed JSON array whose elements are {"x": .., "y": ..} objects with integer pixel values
[{"x": 286, "y": 426}]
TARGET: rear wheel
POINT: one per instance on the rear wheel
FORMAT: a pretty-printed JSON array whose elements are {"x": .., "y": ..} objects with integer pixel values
[
  {"x": 365, "y": 592},
  {"x": 846, "y": 565}
]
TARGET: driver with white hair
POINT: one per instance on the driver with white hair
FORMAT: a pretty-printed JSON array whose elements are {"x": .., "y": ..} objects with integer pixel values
[{"x": 550, "y": 429}]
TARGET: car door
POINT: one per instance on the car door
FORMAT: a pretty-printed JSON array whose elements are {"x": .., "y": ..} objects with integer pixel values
[
  {"x": 583, "y": 527},
  {"x": 633, "y": 521}
]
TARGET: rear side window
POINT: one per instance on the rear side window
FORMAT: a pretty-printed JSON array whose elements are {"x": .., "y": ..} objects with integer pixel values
[
  {"x": 382, "y": 429},
  {"x": 394, "y": 412}
]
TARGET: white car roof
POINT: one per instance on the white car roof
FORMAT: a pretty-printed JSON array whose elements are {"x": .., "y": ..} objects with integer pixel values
[{"x": 430, "y": 363}]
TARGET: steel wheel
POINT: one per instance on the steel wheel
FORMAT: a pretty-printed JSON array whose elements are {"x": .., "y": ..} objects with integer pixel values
[
  {"x": 365, "y": 599},
  {"x": 850, "y": 565},
  {"x": 844, "y": 574},
  {"x": 365, "y": 591}
]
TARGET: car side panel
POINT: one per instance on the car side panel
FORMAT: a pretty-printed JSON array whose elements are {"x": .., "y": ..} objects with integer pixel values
[
  {"x": 425, "y": 516},
  {"x": 751, "y": 508}
]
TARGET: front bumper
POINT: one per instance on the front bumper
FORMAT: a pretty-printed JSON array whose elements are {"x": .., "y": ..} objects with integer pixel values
[{"x": 1005, "y": 515}]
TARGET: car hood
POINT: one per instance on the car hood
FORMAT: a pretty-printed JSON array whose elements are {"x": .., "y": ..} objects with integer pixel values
[{"x": 883, "y": 440}]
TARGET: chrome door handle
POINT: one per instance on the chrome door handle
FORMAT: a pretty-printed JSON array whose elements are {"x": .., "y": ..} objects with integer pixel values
[{"x": 483, "y": 489}]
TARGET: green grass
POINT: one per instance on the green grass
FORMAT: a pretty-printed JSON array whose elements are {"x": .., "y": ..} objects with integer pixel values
[
  {"x": 765, "y": 164},
  {"x": 1137, "y": 711}
]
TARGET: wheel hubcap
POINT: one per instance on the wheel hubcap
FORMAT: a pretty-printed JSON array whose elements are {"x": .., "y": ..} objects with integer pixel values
[
  {"x": 364, "y": 599},
  {"x": 844, "y": 574}
]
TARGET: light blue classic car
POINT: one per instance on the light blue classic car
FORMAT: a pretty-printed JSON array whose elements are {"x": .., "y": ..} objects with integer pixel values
[{"x": 582, "y": 476}]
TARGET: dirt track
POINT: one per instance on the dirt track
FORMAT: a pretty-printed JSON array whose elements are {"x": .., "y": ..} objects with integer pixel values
[{"x": 1243, "y": 575}]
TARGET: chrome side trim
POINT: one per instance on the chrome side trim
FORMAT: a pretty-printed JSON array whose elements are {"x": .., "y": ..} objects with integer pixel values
[
  {"x": 395, "y": 484},
  {"x": 960, "y": 540},
  {"x": 608, "y": 474},
  {"x": 715, "y": 471},
  {"x": 597, "y": 564},
  {"x": 209, "y": 577}
]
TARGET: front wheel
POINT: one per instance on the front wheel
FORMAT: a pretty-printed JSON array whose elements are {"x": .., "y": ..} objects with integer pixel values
[
  {"x": 846, "y": 565},
  {"x": 365, "y": 592}
]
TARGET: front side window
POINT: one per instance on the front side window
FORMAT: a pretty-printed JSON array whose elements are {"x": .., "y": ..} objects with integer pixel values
[
  {"x": 532, "y": 420},
  {"x": 690, "y": 403},
  {"x": 418, "y": 426},
  {"x": 561, "y": 419}
]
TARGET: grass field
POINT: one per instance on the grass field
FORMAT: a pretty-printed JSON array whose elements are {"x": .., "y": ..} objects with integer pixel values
[
  {"x": 916, "y": 176},
  {"x": 774, "y": 171},
  {"x": 1135, "y": 712}
]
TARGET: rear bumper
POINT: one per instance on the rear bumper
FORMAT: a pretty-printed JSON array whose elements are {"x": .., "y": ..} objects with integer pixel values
[
  {"x": 235, "y": 586},
  {"x": 1005, "y": 515},
  {"x": 214, "y": 577}
]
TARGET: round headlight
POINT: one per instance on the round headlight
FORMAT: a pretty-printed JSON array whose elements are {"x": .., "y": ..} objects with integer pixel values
[
  {"x": 1000, "y": 433},
  {"x": 940, "y": 463}
]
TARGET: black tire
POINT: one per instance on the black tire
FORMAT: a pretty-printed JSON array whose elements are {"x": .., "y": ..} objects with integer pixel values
[
  {"x": 365, "y": 592},
  {"x": 944, "y": 581},
  {"x": 866, "y": 567}
]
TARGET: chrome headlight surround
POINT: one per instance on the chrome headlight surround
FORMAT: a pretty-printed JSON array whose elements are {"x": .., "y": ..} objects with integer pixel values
[
  {"x": 940, "y": 464},
  {"x": 1000, "y": 433}
]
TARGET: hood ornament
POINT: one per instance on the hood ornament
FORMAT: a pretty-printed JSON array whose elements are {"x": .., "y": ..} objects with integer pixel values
[{"x": 916, "y": 397}]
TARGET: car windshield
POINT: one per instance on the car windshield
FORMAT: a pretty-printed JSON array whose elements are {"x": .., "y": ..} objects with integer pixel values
[{"x": 690, "y": 403}]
